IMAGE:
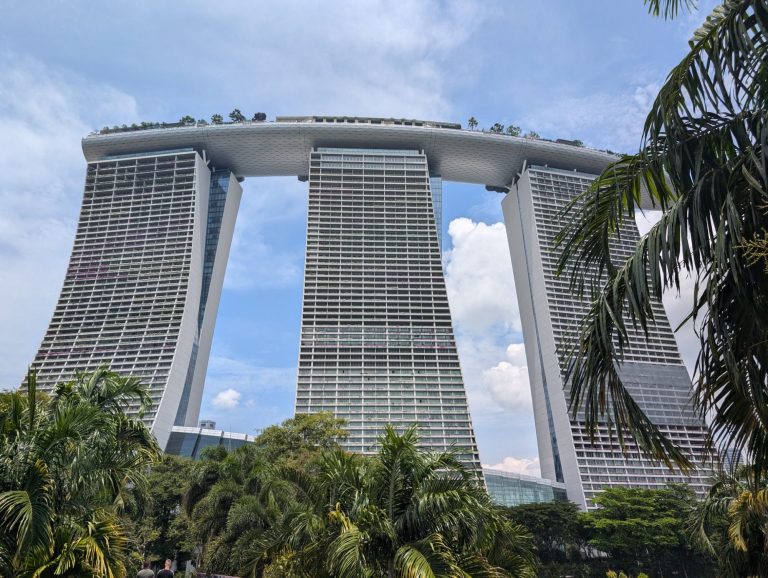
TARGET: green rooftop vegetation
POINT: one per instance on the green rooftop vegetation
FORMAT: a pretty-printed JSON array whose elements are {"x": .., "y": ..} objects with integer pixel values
[{"x": 235, "y": 117}]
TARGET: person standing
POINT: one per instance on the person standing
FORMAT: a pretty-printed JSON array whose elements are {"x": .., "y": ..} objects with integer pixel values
[
  {"x": 146, "y": 571},
  {"x": 166, "y": 572}
]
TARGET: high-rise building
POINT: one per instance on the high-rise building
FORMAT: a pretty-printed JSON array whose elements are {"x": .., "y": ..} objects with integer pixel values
[
  {"x": 143, "y": 284},
  {"x": 377, "y": 346},
  {"x": 731, "y": 459},
  {"x": 551, "y": 314},
  {"x": 377, "y": 342}
]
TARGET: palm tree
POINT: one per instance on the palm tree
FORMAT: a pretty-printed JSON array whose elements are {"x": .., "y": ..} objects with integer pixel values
[
  {"x": 703, "y": 162},
  {"x": 472, "y": 123},
  {"x": 232, "y": 499},
  {"x": 66, "y": 462},
  {"x": 732, "y": 522},
  {"x": 404, "y": 512}
]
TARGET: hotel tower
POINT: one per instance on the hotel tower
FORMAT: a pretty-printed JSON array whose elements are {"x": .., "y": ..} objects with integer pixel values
[
  {"x": 652, "y": 369},
  {"x": 377, "y": 345}
]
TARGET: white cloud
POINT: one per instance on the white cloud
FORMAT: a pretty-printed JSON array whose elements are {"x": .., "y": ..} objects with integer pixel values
[
  {"x": 525, "y": 466},
  {"x": 507, "y": 382},
  {"x": 270, "y": 389},
  {"x": 227, "y": 399},
  {"x": 483, "y": 302},
  {"x": 478, "y": 277},
  {"x": 44, "y": 114},
  {"x": 585, "y": 117}
]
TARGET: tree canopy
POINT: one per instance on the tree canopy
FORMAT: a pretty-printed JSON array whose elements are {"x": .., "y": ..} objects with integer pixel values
[
  {"x": 66, "y": 463},
  {"x": 404, "y": 512},
  {"x": 642, "y": 529},
  {"x": 300, "y": 436},
  {"x": 555, "y": 528}
]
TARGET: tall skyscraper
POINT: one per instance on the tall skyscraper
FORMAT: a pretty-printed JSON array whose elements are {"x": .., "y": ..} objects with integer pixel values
[
  {"x": 142, "y": 289},
  {"x": 551, "y": 313},
  {"x": 377, "y": 342},
  {"x": 377, "y": 345}
]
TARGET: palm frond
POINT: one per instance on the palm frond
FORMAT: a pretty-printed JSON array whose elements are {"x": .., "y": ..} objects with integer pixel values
[
  {"x": 412, "y": 563},
  {"x": 346, "y": 555},
  {"x": 27, "y": 512},
  {"x": 433, "y": 554},
  {"x": 703, "y": 162},
  {"x": 103, "y": 545},
  {"x": 669, "y": 8},
  {"x": 730, "y": 522}
]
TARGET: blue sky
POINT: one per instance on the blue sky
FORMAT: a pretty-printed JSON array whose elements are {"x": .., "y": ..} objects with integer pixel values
[{"x": 565, "y": 69}]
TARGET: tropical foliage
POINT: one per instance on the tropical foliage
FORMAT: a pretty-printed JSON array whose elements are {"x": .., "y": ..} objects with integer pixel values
[
  {"x": 404, "y": 512},
  {"x": 232, "y": 498},
  {"x": 646, "y": 530},
  {"x": 236, "y": 115},
  {"x": 703, "y": 163},
  {"x": 557, "y": 532},
  {"x": 66, "y": 463},
  {"x": 78, "y": 497},
  {"x": 732, "y": 522},
  {"x": 155, "y": 524},
  {"x": 634, "y": 530}
]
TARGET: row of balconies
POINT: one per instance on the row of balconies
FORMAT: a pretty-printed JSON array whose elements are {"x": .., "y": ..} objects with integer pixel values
[
  {"x": 418, "y": 338},
  {"x": 139, "y": 173},
  {"x": 385, "y": 369}
]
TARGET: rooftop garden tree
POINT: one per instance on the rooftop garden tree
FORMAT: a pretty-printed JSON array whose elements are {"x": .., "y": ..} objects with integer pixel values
[{"x": 236, "y": 116}]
